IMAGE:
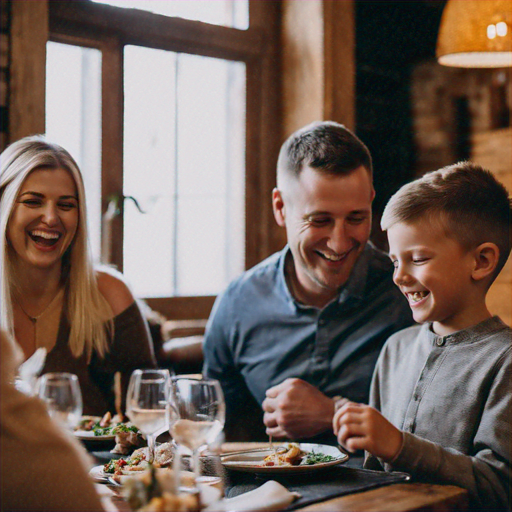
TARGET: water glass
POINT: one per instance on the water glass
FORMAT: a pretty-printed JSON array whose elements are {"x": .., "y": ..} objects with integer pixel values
[
  {"x": 146, "y": 403},
  {"x": 62, "y": 396},
  {"x": 196, "y": 415}
]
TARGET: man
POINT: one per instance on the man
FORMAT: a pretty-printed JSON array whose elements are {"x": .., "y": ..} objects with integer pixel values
[{"x": 304, "y": 328}]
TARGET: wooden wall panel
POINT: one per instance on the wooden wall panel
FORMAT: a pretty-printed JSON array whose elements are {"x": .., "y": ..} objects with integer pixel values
[
  {"x": 318, "y": 41},
  {"x": 5, "y": 41},
  {"x": 339, "y": 58},
  {"x": 302, "y": 41},
  {"x": 27, "y": 68},
  {"x": 493, "y": 150}
]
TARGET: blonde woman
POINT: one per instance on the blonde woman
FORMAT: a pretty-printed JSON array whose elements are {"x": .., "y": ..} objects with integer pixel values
[{"x": 51, "y": 296}]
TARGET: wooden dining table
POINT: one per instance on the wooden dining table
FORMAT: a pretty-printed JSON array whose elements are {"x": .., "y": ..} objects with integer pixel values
[{"x": 396, "y": 497}]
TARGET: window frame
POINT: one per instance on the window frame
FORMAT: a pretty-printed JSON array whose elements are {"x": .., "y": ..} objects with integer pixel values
[{"x": 109, "y": 29}]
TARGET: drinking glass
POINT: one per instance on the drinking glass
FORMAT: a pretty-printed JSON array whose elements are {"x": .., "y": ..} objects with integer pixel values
[
  {"x": 146, "y": 403},
  {"x": 62, "y": 396},
  {"x": 196, "y": 414}
]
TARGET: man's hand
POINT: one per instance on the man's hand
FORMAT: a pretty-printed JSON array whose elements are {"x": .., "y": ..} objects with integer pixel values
[
  {"x": 295, "y": 409},
  {"x": 361, "y": 427}
]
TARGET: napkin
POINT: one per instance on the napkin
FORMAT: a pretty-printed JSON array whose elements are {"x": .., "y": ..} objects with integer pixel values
[
  {"x": 266, "y": 498},
  {"x": 29, "y": 371}
]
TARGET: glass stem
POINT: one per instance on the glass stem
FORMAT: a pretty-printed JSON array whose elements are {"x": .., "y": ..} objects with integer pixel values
[
  {"x": 197, "y": 469},
  {"x": 151, "y": 447}
]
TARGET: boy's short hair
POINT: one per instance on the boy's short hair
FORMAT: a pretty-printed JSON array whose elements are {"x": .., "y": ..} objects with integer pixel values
[{"x": 472, "y": 204}]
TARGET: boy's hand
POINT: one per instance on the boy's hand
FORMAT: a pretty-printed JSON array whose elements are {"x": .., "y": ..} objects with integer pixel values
[{"x": 361, "y": 427}]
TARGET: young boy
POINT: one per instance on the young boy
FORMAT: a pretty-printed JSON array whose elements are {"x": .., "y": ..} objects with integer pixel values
[{"x": 443, "y": 388}]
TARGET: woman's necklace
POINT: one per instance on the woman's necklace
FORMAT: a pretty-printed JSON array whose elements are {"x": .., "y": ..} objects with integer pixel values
[{"x": 34, "y": 319}]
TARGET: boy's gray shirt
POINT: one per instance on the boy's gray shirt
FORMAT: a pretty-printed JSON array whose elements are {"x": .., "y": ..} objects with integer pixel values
[{"x": 451, "y": 396}]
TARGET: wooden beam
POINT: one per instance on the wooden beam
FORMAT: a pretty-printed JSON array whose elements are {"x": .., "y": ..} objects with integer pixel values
[
  {"x": 318, "y": 40},
  {"x": 302, "y": 40},
  {"x": 339, "y": 62},
  {"x": 28, "y": 68},
  {"x": 153, "y": 30}
]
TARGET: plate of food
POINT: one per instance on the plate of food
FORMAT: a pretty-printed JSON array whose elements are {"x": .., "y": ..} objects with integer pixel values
[
  {"x": 95, "y": 428},
  {"x": 133, "y": 465},
  {"x": 288, "y": 458}
]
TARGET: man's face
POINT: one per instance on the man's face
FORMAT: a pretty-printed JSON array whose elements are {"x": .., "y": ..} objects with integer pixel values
[{"x": 328, "y": 221}]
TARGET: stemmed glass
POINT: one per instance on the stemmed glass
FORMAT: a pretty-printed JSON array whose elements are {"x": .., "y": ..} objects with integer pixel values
[
  {"x": 62, "y": 396},
  {"x": 196, "y": 414},
  {"x": 146, "y": 402}
]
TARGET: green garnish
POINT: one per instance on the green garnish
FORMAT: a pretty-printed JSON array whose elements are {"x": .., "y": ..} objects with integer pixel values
[
  {"x": 316, "y": 458},
  {"x": 122, "y": 427},
  {"x": 99, "y": 431}
]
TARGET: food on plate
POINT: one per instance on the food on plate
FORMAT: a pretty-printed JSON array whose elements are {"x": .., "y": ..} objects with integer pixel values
[
  {"x": 155, "y": 491},
  {"x": 127, "y": 437},
  {"x": 295, "y": 456},
  {"x": 106, "y": 420},
  {"x": 138, "y": 460},
  {"x": 316, "y": 458},
  {"x": 99, "y": 426}
]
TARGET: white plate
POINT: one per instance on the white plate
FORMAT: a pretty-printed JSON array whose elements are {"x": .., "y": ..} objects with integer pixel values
[
  {"x": 251, "y": 461},
  {"x": 99, "y": 475},
  {"x": 88, "y": 435}
]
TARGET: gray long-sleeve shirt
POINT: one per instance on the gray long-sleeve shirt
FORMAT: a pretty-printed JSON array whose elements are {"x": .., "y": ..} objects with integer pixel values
[{"x": 451, "y": 396}]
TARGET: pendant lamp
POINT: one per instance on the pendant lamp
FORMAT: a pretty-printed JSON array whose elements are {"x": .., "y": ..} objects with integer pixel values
[{"x": 475, "y": 34}]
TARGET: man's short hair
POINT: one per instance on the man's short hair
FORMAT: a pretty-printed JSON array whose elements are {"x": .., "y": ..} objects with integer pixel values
[
  {"x": 325, "y": 146},
  {"x": 473, "y": 206}
]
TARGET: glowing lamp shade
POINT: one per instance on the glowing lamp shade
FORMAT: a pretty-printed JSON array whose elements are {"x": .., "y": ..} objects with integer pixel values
[{"x": 476, "y": 34}]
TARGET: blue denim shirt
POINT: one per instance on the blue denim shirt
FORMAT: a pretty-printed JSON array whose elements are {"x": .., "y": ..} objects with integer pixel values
[{"x": 258, "y": 335}]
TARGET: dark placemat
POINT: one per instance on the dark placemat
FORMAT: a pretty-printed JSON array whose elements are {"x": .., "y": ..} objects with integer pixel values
[
  {"x": 104, "y": 456},
  {"x": 316, "y": 487}
]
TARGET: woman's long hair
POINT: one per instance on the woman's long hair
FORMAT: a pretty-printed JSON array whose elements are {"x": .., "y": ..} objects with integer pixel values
[{"x": 88, "y": 312}]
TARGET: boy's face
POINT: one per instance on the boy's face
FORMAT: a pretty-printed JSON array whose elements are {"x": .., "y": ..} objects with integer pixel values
[{"x": 434, "y": 273}]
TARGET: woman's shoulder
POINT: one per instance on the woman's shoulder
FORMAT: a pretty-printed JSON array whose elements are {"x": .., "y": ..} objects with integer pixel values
[{"x": 115, "y": 290}]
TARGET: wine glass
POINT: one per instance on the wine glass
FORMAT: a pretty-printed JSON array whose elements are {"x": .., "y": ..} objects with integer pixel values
[
  {"x": 196, "y": 414},
  {"x": 146, "y": 402},
  {"x": 61, "y": 393}
]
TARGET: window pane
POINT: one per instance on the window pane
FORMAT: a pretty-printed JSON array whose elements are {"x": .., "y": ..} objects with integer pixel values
[
  {"x": 228, "y": 13},
  {"x": 185, "y": 163},
  {"x": 73, "y": 119}
]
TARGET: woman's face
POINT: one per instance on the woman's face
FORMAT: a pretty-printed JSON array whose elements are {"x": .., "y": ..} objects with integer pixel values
[{"x": 44, "y": 219}]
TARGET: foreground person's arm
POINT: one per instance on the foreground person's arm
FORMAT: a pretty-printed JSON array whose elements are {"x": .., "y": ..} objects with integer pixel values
[{"x": 42, "y": 467}]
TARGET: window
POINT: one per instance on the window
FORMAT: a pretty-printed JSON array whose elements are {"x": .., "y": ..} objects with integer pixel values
[
  {"x": 164, "y": 116},
  {"x": 73, "y": 118},
  {"x": 229, "y": 13}
]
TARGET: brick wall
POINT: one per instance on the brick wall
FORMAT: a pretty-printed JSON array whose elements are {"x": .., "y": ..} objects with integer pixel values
[{"x": 435, "y": 93}]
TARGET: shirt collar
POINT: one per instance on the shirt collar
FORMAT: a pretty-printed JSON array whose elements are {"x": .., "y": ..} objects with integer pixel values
[
  {"x": 472, "y": 333},
  {"x": 353, "y": 290}
]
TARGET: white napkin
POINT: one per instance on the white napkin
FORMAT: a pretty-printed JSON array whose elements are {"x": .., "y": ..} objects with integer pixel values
[
  {"x": 29, "y": 371},
  {"x": 269, "y": 497}
]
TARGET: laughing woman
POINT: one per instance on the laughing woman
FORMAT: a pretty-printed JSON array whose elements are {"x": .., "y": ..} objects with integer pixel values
[{"x": 51, "y": 296}]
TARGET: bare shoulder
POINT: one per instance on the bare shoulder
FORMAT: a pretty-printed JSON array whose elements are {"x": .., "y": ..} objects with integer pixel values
[{"x": 115, "y": 290}]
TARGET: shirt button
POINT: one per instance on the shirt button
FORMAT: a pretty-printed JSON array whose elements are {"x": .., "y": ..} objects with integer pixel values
[{"x": 440, "y": 342}]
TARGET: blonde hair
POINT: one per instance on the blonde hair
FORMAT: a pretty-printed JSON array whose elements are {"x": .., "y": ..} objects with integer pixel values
[
  {"x": 472, "y": 205},
  {"x": 88, "y": 312}
]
